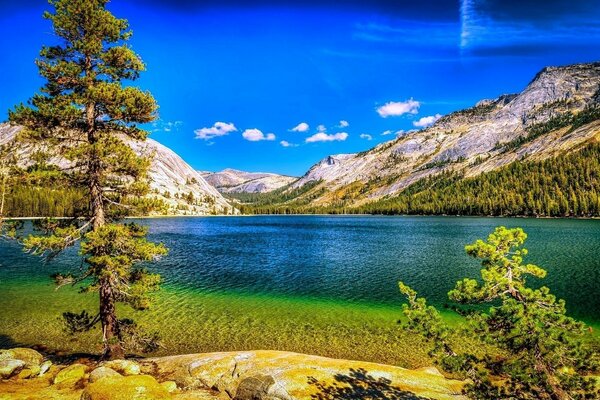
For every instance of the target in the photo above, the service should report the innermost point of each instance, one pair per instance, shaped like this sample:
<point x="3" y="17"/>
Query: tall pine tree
<point x="87" y="115"/>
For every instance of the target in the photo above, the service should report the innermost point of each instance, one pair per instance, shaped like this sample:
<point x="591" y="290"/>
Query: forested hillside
<point x="566" y="185"/>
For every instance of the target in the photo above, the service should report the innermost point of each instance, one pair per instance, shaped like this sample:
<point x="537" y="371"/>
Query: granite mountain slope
<point x="172" y="180"/>
<point x="558" y="112"/>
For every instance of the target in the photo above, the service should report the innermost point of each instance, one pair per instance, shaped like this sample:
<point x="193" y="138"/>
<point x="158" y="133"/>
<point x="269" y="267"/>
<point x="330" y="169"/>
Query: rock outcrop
<point x="172" y="179"/>
<point x="234" y="181"/>
<point x="124" y="367"/>
<point x="249" y="375"/>
<point x="278" y="375"/>
<point x="70" y="376"/>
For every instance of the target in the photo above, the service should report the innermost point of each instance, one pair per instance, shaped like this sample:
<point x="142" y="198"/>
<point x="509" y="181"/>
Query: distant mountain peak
<point x="231" y="180"/>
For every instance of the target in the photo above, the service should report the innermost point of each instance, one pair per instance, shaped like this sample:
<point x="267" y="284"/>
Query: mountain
<point x="557" y="113"/>
<point x="234" y="181"/>
<point x="172" y="180"/>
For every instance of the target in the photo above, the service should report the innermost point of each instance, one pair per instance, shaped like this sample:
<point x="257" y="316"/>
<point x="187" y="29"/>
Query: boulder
<point x="45" y="367"/>
<point x="254" y="388"/>
<point x="170" y="386"/>
<point x="70" y="376"/>
<point x="9" y="367"/>
<point x="102" y="372"/>
<point x="29" y="356"/>
<point x="138" y="387"/>
<point x="25" y="373"/>
<point x="29" y="372"/>
<point x="124" y="367"/>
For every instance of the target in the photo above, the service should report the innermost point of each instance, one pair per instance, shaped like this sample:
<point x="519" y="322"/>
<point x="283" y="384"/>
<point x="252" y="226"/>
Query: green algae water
<point x="323" y="285"/>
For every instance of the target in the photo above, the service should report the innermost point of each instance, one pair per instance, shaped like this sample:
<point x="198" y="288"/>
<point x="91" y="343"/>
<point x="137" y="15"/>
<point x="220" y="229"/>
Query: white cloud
<point x="321" y="128"/>
<point x="285" y="143"/>
<point x="396" y="108"/>
<point x="343" y="124"/>
<point x="427" y="121"/>
<point x="218" y="129"/>
<point x="256" y="135"/>
<point x="301" y="127"/>
<point x="323" y="137"/>
<point x="388" y="132"/>
<point x="366" y="136"/>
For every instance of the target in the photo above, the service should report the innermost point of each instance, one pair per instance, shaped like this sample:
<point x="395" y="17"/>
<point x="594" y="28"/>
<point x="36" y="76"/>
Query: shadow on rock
<point x="358" y="384"/>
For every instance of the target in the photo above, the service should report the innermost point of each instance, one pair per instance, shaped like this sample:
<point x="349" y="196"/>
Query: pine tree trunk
<point x="110" y="326"/>
<point x="94" y="171"/>
<point x="96" y="203"/>
<point x="4" y="179"/>
<point x="108" y="317"/>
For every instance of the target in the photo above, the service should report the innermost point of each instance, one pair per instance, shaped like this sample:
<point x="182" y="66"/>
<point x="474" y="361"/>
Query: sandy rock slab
<point x="251" y="375"/>
<point x="275" y="375"/>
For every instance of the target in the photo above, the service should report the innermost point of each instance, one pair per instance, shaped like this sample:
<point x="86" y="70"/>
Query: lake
<point x="316" y="284"/>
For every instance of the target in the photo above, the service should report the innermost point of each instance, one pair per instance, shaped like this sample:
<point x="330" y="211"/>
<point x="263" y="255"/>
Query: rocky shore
<point x="249" y="375"/>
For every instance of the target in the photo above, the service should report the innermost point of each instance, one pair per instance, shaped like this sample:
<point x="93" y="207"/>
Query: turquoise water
<point x="303" y="282"/>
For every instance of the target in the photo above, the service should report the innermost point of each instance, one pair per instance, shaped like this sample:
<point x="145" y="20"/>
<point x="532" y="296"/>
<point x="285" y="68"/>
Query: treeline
<point x="273" y="202"/>
<point x="567" y="185"/>
<point x="40" y="201"/>
<point x="64" y="201"/>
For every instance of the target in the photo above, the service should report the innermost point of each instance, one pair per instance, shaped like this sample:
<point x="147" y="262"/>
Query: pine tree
<point x="541" y="354"/>
<point x="86" y="114"/>
<point x="9" y="172"/>
<point x="5" y="164"/>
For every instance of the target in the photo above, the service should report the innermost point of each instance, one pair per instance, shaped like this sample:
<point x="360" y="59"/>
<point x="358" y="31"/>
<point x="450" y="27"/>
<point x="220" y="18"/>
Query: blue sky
<point x="234" y="78"/>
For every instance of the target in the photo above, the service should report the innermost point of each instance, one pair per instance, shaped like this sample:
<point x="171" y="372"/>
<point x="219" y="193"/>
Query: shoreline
<point x="323" y="215"/>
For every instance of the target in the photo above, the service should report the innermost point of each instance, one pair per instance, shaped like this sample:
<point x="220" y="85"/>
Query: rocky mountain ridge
<point x="557" y="112"/>
<point x="172" y="180"/>
<point x="234" y="181"/>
